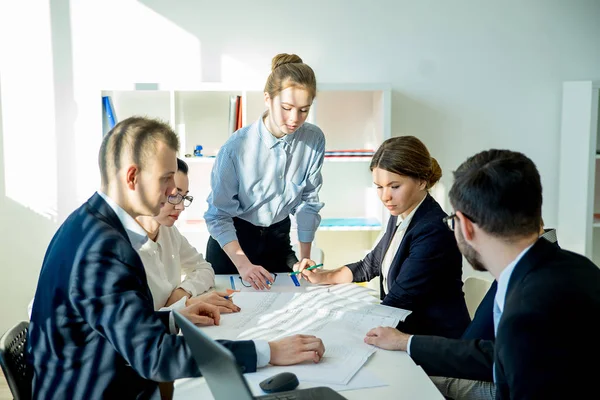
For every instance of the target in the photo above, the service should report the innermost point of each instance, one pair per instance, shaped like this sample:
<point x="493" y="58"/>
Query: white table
<point x="404" y="379"/>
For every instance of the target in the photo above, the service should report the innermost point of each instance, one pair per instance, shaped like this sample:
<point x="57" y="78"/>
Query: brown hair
<point x="288" y="70"/>
<point x="136" y="138"/>
<point x="408" y="156"/>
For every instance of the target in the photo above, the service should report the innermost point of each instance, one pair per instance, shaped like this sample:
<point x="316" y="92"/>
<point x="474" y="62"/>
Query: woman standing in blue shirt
<point x="263" y="173"/>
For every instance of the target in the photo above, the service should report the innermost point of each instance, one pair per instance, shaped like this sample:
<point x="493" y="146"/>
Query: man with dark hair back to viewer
<point x="461" y="369"/>
<point x="547" y="298"/>
<point x="94" y="332"/>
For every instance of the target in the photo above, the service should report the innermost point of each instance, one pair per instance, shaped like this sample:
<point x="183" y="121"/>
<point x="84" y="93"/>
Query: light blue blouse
<point x="262" y="179"/>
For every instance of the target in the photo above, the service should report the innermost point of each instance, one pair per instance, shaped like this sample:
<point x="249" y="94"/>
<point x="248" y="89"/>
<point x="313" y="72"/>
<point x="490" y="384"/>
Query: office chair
<point x="17" y="371"/>
<point x="475" y="289"/>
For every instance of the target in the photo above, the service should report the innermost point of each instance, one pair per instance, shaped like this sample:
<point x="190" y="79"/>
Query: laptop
<point x="223" y="375"/>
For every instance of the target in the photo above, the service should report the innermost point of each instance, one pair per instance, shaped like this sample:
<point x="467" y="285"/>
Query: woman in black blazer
<point x="417" y="259"/>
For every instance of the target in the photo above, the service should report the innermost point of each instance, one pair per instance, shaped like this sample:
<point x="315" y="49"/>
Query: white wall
<point x="467" y="75"/>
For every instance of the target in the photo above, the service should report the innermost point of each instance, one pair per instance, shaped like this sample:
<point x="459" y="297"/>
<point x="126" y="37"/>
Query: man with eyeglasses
<point x="461" y="369"/>
<point x="546" y="301"/>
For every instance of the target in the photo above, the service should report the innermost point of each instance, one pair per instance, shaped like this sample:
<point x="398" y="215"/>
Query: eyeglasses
<point x="246" y="284"/>
<point x="449" y="220"/>
<point x="178" y="198"/>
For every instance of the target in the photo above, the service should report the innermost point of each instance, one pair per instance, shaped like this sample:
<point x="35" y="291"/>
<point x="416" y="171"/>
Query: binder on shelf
<point x="235" y="113"/>
<point x="238" y="104"/>
<point x="109" y="118"/>
<point x="232" y="114"/>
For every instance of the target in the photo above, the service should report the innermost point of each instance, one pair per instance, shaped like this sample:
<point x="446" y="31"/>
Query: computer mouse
<point x="280" y="383"/>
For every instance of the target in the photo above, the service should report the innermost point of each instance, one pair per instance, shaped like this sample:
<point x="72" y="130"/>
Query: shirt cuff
<point x="306" y="236"/>
<point x="225" y="237"/>
<point x="263" y="353"/>
<point x="188" y="287"/>
<point x="178" y="305"/>
<point x="408" y="344"/>
<point x="172" y="326"/>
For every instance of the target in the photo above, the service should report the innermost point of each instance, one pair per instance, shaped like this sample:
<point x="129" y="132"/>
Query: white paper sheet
<point x="340" y="315"/>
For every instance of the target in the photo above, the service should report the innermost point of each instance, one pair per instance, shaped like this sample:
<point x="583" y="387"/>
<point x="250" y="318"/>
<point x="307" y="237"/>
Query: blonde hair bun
<point x="284" y="58"/>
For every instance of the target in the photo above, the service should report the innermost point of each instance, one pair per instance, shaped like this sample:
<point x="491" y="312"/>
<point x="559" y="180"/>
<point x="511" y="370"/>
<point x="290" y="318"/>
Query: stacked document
<point x="340" y="315"/>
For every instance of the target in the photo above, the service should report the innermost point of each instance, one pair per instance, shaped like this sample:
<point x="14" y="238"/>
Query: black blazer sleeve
<point x="432" y="249"/>
<point x="368" y="268"/>
<point x="454" y="358"/>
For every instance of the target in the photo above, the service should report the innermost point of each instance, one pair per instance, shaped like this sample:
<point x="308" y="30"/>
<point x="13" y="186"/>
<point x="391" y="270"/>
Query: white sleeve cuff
<point x="172" y="326"/>
<point x="408" y="344"/>
<point x="263" y="353"/>
<point x="178" y="305"/>
<point x="189" y="287"/>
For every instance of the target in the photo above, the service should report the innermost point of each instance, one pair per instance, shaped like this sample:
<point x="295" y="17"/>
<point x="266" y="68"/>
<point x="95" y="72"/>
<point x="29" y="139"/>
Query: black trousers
<point x="269" y="247"/>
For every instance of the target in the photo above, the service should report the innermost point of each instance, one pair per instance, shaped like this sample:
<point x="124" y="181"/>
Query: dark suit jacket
<point x="425" y="274"/>
<point x="472" y="357"/>
<point x="547" y="340"/>
<point x="94" y="332"/>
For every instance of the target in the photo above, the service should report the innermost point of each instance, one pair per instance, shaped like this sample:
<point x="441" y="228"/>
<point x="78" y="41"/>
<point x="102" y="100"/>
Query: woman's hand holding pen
<point x="219" y="299"/>
<point x="256" y="275"/>
<point x="311" y="275"/>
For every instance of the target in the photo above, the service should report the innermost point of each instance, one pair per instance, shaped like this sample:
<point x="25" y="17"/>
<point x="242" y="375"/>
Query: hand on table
<point x="218" y="299"/>
<point x="201" y="313"/>
<point x="387" y="338"/>
<point x="256" y="275"/>
<point x="296" y="349"/>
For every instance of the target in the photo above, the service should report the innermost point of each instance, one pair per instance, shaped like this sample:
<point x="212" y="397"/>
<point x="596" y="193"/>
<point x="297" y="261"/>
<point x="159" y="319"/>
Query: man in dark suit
<point x="94" y="332"/>
<point x="460" y="368"/>
<point x="547" y="298"/>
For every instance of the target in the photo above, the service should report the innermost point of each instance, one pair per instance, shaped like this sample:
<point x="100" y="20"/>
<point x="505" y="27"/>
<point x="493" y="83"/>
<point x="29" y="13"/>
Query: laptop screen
<point x="217" y="364"/>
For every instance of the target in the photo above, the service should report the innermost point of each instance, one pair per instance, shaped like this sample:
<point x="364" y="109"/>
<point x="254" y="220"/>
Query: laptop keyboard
<point x="284" y="396"/>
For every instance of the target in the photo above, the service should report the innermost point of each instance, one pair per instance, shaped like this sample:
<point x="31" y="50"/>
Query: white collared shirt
<point x="138" y="237"/>
<point x="166" y="259"/>
<point x="401" y="224"/>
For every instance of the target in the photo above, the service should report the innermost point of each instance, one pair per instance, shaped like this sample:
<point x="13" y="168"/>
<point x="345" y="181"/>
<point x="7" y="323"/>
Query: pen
<point x="232" y="282"/>
<point x="308" y="269"/>
<point x="229" y="296"/>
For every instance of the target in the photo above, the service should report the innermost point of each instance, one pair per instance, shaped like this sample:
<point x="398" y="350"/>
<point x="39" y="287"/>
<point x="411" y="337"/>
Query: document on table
<point x="340" y="315"/>
<point x="284" y="283"/>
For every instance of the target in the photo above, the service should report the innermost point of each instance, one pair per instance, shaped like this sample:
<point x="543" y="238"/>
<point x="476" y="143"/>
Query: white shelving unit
<point x="579" y="190"/>
<point x="352" y="116"/>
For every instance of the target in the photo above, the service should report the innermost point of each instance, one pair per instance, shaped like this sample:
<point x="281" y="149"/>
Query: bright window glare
<point x="27" y="90"/>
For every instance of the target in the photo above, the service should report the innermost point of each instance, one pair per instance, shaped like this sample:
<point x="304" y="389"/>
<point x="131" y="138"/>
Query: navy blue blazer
<point x="547" y="339"/>
<point x="472" y="356"/>
<point x="425" y="275"/>
<point x="94" y="332"/>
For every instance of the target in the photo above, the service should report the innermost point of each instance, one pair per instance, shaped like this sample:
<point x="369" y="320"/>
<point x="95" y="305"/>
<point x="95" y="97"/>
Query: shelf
<point x="208" y="160"/>
<point x="350" y="224"/>
<point x="348" y="159"/>
<point x="327" y="224"/>
<point x="211" y="160"/>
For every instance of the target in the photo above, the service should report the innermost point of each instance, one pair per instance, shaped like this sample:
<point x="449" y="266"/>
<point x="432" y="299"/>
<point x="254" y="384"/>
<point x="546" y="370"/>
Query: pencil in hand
<point x="307" y="269"/>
